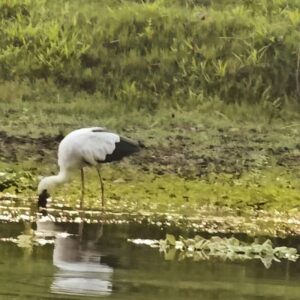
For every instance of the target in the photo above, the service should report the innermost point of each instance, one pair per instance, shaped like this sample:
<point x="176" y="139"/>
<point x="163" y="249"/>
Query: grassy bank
<point x="144" y="53"/>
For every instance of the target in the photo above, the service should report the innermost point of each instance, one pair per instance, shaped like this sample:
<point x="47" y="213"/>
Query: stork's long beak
<point x="42" y="202"/>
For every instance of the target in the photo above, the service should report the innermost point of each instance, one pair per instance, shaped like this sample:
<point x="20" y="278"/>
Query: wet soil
<point x="14" y="149"/>
<point x="228" y="150"/>
<point x="231" y="151"/>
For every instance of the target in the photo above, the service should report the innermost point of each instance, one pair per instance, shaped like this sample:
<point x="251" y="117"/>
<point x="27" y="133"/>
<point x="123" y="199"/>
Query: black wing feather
<point x="124" y="148"/>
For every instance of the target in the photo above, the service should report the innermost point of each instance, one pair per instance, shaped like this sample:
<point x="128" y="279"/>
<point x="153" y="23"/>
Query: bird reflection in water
<point x="79" y="267"/>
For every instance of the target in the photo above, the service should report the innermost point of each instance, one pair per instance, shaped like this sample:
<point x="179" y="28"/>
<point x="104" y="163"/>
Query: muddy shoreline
<point x="194" y="155"/>
<point x="231" y="151"/>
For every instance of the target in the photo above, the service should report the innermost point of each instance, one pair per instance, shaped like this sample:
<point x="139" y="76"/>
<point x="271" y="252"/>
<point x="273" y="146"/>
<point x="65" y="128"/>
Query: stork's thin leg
<point x="82" y="189"/>
<point x="81" y="213"/>
<point x="102" y="187"/>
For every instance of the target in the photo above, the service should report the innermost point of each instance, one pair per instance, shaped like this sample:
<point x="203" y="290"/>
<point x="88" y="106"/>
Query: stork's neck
<point x="49" y="183"/>
<point x="61" y="177"/>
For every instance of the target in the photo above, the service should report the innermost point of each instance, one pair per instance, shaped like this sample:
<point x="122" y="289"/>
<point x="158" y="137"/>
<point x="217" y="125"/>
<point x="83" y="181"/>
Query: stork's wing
<point x="86" y="146"/>
<point x="95" y="145"/>
<point x="124" y="147"/>
<point x="90" y="146"/>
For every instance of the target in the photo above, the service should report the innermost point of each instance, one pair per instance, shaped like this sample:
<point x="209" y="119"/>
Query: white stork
<point x="81" y="148"/>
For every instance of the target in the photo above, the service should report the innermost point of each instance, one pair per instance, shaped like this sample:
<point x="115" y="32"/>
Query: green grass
<point x="142" y="53"/>
<point x="52" y="110"/>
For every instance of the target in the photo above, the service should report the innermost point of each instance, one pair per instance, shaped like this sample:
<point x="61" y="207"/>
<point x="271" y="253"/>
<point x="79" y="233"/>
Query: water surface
<point x="103" y="264"/>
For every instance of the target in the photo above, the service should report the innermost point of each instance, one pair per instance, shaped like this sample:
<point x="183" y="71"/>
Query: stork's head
<point x="44" y="188"/>
<point x="42" y="202"/>
<point x="47" y="185"/>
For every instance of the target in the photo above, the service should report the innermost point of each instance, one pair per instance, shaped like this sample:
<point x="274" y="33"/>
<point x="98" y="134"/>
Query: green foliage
<point x="16" y="181"/>
<point x="144" y="52"/>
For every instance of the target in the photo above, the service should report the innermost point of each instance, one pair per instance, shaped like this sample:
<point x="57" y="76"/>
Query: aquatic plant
<point x="200" y="248"/>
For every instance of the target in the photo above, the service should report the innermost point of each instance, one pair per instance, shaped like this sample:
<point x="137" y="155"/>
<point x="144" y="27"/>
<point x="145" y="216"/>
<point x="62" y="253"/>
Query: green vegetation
<point x="143" y="53"/>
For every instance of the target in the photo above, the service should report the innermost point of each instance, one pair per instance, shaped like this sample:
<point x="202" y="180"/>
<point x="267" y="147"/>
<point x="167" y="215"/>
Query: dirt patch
<point x="16" y="149"/>
<point x="231" y="151"/>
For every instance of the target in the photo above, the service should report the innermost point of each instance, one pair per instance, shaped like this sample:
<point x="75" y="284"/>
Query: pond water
<point x="103" y="264"/>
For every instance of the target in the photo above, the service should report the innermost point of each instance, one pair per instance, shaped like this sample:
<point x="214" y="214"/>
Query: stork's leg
<point x="81" y="213"/>
<point x="102" y="187"/>
<point x="82" y="189"/>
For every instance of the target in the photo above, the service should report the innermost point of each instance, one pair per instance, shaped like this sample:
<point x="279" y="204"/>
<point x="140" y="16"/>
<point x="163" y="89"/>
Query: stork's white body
<point x="86" y="147"/>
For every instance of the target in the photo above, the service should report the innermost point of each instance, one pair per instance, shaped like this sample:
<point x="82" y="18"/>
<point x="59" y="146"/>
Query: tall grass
<point x="144" y="52"/>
